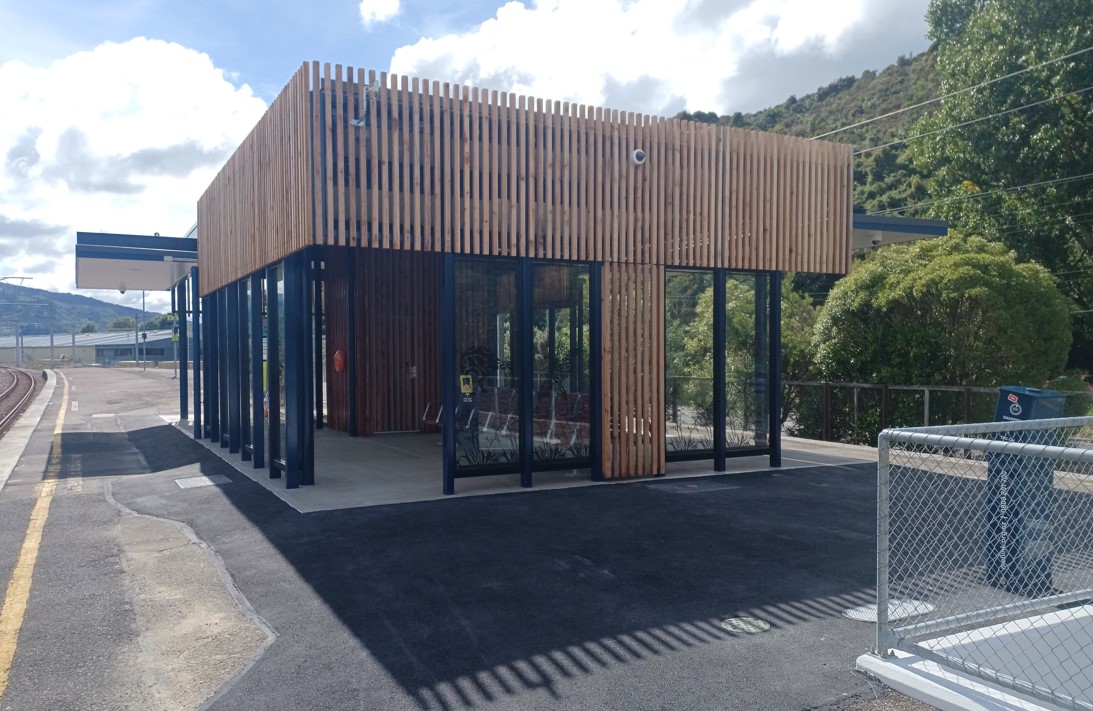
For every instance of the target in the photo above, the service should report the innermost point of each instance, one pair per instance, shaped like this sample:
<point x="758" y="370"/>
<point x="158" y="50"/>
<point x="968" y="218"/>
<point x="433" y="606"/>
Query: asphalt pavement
<point x="607" y="597"/>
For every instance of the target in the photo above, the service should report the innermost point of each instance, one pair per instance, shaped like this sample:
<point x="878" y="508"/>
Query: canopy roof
<point x="137" y="262"/>
<point x="879" y="230"/>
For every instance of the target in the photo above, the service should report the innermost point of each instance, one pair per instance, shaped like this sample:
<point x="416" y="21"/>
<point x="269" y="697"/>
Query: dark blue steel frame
<point x="771" y="286"/>
<point x="242" y="335"/>
<point x="523" y="347"/>
<point x="183" y="352"/>
<point x="273" y="375"/>
<point x="318" y="332"/>
<point x="223" y="357"/>
<point x="448" y="371"/>
<point x="351" y="340"/>
<point x="230" y="331"/>
<point x="197" y="354"/>
<point x="258" y="429"/>
<point x="212" y="370"/>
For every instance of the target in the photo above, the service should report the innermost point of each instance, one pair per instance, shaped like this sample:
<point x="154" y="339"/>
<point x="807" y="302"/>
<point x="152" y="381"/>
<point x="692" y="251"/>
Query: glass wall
<point x="688" y="362"/>
<point x="563" y="399"/>
<point x="747" y="360"/>
<point x="487" y="413"/>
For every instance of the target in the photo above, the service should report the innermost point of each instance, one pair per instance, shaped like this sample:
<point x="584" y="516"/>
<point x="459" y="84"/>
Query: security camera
<point x="875" y="241"/>
<point x="637" y="157"/>
<point x="121" y="289"/>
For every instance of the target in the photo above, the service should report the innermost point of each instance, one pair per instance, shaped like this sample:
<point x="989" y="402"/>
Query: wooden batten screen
<point x="418" y="165"/>
<point x="348" y="157"/>
<point x="397" y="338"/>
<point x="633" y="370"/>
<point x="257" y="210"/>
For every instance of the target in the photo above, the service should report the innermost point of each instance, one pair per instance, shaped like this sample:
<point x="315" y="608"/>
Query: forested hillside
<point x="883" y="178"/>
<point x="1003" y="149"/>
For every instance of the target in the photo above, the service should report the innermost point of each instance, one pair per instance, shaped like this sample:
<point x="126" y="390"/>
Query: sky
<point x="115" y="115"/>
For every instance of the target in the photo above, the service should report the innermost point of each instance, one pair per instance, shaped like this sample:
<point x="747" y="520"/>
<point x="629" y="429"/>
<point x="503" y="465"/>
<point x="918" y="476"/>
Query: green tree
<point x="89" y="328"/>
<point x="951" y="311"/>
<point x="1027" y="130"/>
<point x="126" y="323"/>
<point x="160" y="321"/>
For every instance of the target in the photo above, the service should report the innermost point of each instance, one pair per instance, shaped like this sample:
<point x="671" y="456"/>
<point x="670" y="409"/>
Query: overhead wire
<point x="983" y="193"/>
<point x="975" y="120"/>
<point x="952" y="94"/>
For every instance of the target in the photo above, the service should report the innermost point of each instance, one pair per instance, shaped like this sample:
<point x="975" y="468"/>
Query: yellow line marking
<point x="15" y="599"/>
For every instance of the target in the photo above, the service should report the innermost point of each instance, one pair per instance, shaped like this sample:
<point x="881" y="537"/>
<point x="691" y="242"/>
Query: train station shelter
<point x="538" y="285"/>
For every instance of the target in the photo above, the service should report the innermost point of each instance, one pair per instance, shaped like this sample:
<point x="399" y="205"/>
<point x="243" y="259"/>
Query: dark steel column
<point x="273" y="372"/>
<point x="183" y="354"/>
<point x="318" y="362"/>
<point x="595" y="363"/>
<point x="309" y="393"/>
<point x="242" y="337"/>
<point x="222" y="358"/>
<point x="295" y="375"/>
<point x="524" y="288"/>
<point x="448" y="379"/>
<point x="196" y="315"/>
<point x="720" y="395"/>
<point x="775" y="369"/>
<point x="230" y="330"/>
<point x="212" y="365"/>
<point x="258" y="423"/>
<point x="351" y="339"/>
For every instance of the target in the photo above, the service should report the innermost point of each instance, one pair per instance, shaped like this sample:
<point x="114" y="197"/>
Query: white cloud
<point x="122" y="138"/>
<point x="656" y="56"/>
<point x="373" y="11"/>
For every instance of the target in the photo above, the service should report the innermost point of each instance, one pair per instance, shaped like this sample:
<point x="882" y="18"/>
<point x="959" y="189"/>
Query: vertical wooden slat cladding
<point x="335" y="310"/>
<point x="401" y="164"/>
<point x="398" y="328"/>
<point x="633" y="373"/>
<point x="257" y="210"/>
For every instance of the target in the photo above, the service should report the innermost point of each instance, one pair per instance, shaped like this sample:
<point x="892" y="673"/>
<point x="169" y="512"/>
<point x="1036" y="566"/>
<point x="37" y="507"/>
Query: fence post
<point x="926" y="407"/>
<point x="885" y="407"/>
<point x="883" y="647"/>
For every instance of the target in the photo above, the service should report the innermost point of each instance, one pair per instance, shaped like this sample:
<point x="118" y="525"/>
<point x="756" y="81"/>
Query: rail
<point x="13" y="400"/>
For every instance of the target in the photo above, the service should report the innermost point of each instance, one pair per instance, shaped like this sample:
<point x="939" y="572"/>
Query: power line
<point x="975" y="120"/>
<point x="983" y="193"/>
<point x="955" y="93"/>
<point x="1069" y="219"/>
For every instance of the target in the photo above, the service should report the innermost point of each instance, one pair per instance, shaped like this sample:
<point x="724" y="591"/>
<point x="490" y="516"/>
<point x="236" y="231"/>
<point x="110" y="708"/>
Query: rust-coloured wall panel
<point x="398" y="326"/>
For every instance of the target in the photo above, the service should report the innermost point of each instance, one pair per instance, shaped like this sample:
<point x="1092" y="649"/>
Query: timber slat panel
<point x="398" y="300"/>
<point x="401" y="164"/>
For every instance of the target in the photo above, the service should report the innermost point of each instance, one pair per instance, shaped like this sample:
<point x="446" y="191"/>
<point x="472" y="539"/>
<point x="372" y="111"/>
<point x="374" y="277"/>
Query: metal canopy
<point x="878" y="230"/>
<point x="132" y="262"/>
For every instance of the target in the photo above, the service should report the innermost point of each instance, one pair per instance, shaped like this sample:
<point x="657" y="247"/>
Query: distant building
<point x="83" y="349"/>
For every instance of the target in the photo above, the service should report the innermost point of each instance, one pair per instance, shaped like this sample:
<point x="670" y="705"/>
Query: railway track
<point x="17" y="387"/>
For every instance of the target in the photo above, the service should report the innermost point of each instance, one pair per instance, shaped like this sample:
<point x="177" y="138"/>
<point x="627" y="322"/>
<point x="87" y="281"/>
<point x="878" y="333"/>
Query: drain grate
<point x="692" y="487"/>
<point x="744" y="625"/>
<point x="195" y="481"/>
<point x="898" y="609"/>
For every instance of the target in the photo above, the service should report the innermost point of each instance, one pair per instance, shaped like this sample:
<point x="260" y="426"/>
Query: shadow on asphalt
<point x="484" y="598"/>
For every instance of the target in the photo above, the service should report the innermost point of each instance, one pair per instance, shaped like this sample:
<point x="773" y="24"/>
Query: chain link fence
<point x="985" y="552"/>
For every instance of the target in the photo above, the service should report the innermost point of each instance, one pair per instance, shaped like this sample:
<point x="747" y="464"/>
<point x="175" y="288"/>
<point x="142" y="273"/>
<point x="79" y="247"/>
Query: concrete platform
<point x="1046" y="645"/>
<point x="404" y="468"/>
